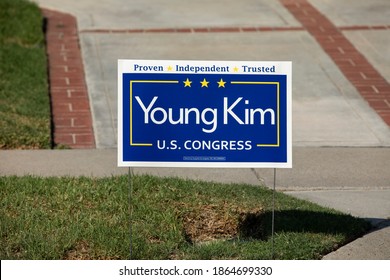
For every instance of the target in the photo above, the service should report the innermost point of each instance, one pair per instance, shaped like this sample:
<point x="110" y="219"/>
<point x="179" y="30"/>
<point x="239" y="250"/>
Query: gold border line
<point x="131" y="107"/>
<point x="278" y="109"/>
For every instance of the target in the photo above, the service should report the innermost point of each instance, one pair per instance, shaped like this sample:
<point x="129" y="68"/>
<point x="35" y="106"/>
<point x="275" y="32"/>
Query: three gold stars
<point x="204" y="83"/>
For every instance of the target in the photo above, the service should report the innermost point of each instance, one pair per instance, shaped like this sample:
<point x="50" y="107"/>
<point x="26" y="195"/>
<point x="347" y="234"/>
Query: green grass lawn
<point x="85" y="218"/>
<point x="24" y="97"/>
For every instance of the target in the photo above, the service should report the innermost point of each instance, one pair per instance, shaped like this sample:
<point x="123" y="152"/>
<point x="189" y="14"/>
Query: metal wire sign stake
<point x="131" y="209"/>
<point x="273" y="216"/>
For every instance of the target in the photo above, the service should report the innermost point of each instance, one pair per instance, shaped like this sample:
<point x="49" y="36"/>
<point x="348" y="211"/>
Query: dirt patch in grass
<point x="83" y="251"/>
<point x="208" y="222"/>
<point x="80" y="251"/>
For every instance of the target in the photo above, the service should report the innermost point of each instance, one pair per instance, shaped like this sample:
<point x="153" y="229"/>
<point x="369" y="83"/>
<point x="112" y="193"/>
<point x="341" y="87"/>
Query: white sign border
<point x="283" y="68"/>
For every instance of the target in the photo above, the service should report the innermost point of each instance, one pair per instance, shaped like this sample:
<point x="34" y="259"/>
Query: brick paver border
<point x="194" y="30"/>
<point x="225" y="29"/>
<point x="71" y="114"/>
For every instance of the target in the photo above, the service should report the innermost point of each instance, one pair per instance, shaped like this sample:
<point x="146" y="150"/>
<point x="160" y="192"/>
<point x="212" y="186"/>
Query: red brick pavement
<point x="225" y="29"/>
<point x="193" y="30"/>
<point x="72" y="119"/>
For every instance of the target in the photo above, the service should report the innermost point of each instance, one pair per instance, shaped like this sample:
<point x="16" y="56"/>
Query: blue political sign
<point x="204" y="114"/>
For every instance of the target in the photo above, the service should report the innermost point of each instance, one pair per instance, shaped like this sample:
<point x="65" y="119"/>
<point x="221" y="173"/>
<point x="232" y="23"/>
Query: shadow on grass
<point x="259" y="226"/>
<point x="378" y="223"/>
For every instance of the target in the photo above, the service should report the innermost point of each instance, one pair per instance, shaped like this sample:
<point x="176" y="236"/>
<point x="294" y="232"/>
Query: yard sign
<point x="204" y="113"/>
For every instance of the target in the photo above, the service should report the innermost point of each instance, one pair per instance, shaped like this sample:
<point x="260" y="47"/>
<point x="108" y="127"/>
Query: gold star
<point x="235" y="69"/>
<point x="204" y="83"/>
<point x="221" y="83"/>
<point x="187" y="83"/>
<point x="170" y="68"/>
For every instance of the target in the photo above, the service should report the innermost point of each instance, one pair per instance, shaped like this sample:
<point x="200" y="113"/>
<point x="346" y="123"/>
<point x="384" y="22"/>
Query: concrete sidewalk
<point x="341" y="97"/>
<point x="327" y="108"/>
<point x="314" y="168"/>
